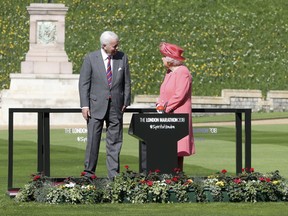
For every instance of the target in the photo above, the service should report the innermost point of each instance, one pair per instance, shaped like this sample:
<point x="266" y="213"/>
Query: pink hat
<point x="172" y="51"/>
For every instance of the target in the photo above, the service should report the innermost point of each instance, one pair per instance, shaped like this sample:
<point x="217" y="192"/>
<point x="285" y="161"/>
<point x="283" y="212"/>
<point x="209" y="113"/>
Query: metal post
<point x="238" y="116"/>
<point x="40" y="142"/>
<point x="46" y="144"/>
<point x="10" y="150"/>
<point x="248" y="139"/>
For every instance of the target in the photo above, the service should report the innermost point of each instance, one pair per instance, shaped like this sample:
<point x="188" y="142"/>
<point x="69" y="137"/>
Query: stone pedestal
<point x="46" y="53"/>
<point x="46" y="79"/>
<point x="41" y="91"/>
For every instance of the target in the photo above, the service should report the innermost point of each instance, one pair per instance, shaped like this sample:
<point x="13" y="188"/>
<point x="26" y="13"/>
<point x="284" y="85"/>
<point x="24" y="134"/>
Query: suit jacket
<point x="93" y="85"/>
<point x="175" y="94"/>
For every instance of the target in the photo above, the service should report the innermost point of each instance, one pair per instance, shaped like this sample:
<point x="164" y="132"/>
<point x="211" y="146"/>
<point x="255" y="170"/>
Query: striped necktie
<point x="109" y="72"/>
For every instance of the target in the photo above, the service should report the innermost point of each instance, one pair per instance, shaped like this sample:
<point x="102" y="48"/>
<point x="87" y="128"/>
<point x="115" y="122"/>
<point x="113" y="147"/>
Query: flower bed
<point x="132" y="187"/>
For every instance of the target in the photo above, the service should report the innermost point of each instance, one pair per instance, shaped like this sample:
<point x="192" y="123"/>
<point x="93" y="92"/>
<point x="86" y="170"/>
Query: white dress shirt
<point x="105" y="58"/>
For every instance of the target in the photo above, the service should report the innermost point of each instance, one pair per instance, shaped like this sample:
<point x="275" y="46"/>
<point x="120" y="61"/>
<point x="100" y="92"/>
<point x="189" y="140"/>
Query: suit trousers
<point x="114" y="137"/>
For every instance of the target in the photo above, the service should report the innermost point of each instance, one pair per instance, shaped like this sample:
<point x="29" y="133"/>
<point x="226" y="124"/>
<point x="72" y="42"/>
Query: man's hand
<point x="123" y="108"/>
<point x="86" y="113"/>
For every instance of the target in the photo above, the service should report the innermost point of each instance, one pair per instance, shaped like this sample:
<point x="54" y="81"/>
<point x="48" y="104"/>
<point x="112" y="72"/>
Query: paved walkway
<point x="254" y="122"/>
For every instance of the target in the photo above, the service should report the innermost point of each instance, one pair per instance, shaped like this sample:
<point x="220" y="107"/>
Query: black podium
<point x="158" y="135"/>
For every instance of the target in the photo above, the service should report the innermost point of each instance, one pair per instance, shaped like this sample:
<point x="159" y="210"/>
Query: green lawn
<point x="213" y="152"/>
<point x="269" y="149"/>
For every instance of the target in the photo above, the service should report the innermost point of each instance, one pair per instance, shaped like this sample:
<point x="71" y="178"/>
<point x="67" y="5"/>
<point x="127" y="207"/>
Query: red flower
<point x="157" y="171"/>
<point x="83" y="173"/>
<point x="248" y="169"/>
<point x="36" y="177"/>
<point x="224" y="171"/>
<point x="177" y="170"/>
<point x="237" y="180"/>
<point x="149" y="183"/>
<point x="175" y="179"/>
<point x="168" y="181"/>
<point x="262" y="179"/>
<point x="93" y="177"/>
<point x="126" y="167"/>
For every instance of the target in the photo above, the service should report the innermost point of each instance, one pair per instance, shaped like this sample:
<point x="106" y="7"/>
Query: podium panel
<point x="159" y="133"/>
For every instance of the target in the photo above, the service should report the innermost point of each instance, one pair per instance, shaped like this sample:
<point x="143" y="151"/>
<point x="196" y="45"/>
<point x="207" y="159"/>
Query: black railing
<point x="43" y="140"/>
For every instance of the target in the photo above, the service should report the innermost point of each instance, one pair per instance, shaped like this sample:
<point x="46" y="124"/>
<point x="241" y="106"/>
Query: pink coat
<point x="175" y="92"/>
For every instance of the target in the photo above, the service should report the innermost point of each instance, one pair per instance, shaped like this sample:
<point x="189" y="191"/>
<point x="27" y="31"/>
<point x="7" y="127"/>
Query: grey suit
<point x="105" y="104"/>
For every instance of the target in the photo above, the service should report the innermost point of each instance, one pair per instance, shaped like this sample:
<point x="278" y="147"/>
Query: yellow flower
<point x="220" y="183"/>
<point x="275" y="182"/>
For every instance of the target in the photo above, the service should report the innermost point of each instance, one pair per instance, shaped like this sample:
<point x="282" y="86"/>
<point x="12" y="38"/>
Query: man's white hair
<point x="107" y="36"/>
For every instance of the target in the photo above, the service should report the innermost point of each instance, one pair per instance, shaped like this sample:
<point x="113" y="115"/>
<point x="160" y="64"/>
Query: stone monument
<point x="46" y="53"/>
<point x="46" y="79"/>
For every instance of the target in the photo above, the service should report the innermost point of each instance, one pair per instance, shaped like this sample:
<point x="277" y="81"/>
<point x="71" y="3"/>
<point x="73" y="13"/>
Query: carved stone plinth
<point x="46" y="53"/>
<point x="46" y="79"/>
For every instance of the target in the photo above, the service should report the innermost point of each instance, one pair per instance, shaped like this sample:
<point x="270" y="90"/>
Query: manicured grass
<point x="197" y="209"/>
<point x="269" y="149"/>
<point x="213" y="152"/>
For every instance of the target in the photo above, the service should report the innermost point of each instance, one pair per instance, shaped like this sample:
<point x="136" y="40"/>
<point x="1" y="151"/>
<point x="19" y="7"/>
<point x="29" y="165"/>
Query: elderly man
<point x="105" y="91"/>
